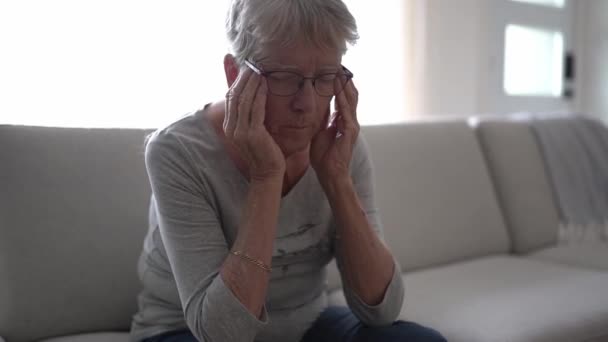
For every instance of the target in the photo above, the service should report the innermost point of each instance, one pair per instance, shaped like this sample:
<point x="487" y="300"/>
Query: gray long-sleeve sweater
<point x="195" y="211"/>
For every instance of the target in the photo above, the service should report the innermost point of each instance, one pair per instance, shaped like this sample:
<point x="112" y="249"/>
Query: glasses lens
<point x="284" y="83"/>
<point x="326" y="85"/>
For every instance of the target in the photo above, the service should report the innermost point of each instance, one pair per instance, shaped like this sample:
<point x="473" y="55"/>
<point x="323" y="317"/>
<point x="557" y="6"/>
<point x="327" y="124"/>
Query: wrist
<point x="337" y="185"/>
<point x="265" y="192"/>
<point x="267" y="177"/>
<point x="269" y="183"/>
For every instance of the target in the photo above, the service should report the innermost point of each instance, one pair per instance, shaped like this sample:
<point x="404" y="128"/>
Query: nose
<point x="305" y="99"/>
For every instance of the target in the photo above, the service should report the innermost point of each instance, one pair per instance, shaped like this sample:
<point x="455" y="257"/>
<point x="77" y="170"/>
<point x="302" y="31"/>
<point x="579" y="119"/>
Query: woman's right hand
<point x="245" y="111"/>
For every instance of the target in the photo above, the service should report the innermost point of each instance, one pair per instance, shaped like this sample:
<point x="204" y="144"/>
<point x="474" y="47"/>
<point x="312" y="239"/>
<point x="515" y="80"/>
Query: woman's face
<point x="294" y="120"/>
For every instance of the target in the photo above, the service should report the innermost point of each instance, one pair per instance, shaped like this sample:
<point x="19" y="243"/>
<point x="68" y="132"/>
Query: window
<point x="112" y="63"/>
<point x="378" y="60"/>
<point x="138" y="63"/>
<point x="552" y="3"/>
<point x="533" y="61"/>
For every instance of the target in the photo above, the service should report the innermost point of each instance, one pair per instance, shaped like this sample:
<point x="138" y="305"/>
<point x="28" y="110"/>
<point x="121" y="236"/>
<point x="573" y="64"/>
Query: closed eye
<point x="327" y="77"/>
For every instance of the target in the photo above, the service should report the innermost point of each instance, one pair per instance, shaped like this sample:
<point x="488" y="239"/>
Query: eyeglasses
<point x="287" y="83"/>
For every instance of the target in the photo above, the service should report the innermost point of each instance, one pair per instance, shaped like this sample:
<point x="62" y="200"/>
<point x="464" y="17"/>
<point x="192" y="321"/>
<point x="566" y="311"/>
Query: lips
<point x="290" y="129"/>
<point x="295" y="127"/>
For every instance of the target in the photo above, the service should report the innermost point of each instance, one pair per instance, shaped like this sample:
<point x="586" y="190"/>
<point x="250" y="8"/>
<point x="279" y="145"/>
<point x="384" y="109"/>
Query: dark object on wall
<point x="569" y="71"/>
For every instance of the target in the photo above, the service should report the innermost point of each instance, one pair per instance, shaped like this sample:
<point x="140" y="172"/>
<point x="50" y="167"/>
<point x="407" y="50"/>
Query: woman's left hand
<point x="332" y="148"/>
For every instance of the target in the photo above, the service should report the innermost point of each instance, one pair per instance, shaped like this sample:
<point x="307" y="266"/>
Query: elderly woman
<point x="254" y="195"/>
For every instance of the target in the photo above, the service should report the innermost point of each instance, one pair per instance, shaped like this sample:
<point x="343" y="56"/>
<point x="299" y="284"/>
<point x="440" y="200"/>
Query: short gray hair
<point x="251" y="24"/>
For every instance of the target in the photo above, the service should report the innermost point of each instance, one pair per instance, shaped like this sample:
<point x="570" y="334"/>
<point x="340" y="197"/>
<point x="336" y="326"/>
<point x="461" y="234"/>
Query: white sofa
<point x="467" y="210"/>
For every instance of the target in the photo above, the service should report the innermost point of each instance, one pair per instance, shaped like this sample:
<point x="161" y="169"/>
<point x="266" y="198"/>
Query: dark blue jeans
<point x="338" y="324"/>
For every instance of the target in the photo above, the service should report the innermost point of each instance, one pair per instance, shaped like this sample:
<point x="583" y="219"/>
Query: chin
<point x="292" y="147"/>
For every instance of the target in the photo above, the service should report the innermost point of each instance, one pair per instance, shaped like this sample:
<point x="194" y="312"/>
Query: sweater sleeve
<point x="387" y="311"/>
<point x="195" y="245"/>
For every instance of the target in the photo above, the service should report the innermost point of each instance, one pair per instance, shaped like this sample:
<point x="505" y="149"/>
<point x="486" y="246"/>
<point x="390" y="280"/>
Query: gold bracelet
<point x="256" y="262"/>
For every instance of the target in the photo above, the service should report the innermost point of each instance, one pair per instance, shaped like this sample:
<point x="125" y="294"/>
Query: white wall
<point x="592" y="24"/>
<point x="454" y="39"/>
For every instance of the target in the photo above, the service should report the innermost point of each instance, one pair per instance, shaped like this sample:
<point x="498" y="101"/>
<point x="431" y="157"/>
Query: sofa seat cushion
<point x="95" y="337"/>
<point x="590" y="255"/>
<point x="505" y="298"/>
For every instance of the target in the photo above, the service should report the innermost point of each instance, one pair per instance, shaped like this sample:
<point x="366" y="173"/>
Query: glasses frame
<point x="348" y="73"/>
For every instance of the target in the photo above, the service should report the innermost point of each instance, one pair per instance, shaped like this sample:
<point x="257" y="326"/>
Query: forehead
<point x="301" y="56"/>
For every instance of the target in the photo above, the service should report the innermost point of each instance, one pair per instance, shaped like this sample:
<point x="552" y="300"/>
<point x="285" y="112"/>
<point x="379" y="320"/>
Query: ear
<point x="231" y="69"/>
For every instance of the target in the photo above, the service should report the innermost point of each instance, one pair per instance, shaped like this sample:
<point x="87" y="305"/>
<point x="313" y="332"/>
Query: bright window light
<point x="551" y="3"/>
<point x="533" y="61"/>
<point x="143" y="63"/>
<point x="379" y="66"/>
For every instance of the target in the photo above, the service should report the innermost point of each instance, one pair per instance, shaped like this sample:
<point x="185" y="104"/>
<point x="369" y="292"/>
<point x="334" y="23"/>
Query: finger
<point x="341" y="103"/>
<point x="258" y="111"/>
<point x="232" y="100"/>
<point x="338" y="85"/>
<point x="347" y="120"/>
<point x="340" y="125"/>
<point x="323" y="139"/>
<point x="352" y="95"/>
<point x="246" y="103"/>
<point x="230" y="107"/>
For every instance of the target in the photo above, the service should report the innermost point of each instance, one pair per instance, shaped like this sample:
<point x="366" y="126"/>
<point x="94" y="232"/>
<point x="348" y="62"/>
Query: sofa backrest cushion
<point x="434" y="193"/>
<point x="73" y="211"/>
<point x="522" y="184"/>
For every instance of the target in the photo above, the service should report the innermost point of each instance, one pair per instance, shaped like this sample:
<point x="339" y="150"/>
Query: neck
<point x="296" y="166"/>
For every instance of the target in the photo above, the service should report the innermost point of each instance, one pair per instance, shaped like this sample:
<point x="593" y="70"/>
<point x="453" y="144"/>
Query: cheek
<point x="276" y="105"/>
<point x="323" y="111"/>
<point x="274" y="108"/>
